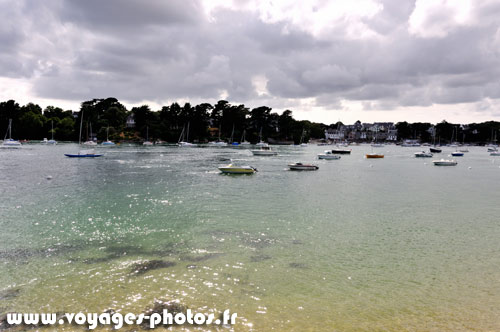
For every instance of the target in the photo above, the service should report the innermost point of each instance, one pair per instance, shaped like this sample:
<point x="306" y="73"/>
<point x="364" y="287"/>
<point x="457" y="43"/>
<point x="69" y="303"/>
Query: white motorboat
<point x="377" y="145"/>
<point x="495" y="154"/>
<point x="423" y="154"/>
<point x="328" y="155"/>
<point x="445" y="162"/>
<point x="10" y="143"/>
<point x="264" y="151"/>
<point x="303" y="167"/>
<point x="232" y="169"/>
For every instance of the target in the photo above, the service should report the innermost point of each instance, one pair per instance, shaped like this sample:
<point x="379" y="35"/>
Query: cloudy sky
<point x="387" y="60"/>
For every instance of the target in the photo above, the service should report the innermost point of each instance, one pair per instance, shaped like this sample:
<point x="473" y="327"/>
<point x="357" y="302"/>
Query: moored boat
<point x="328" y="155"/>
<point x="341" y="151"/>
<point x="10" y="143"/>
<point x="374" y="156"/>
<point x="495" y="154"/>
<point x="445" y="162"/>
<point x="423" y="154"/>
<point x="435" y="150"/>
<point x="232" y="169"/>
<point x="84" y="154"/>
<point x="457" y="154"/>
<point x="303" y="167"/>
<point x="264" y="151"/>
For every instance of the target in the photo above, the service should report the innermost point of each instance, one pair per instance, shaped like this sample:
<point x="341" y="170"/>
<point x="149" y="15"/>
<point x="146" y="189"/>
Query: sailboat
<point x="243" y="140"/>
<point x="52" y="140"/>
<point x="435" y="149"/>
<point x="108" y="142"/>
<point x="261" y="142"/>
<point x="83" y="153"/>
<point x="147" y="142"/>
<point x="375" y="144"/>
<point x="302" y="143"/>
<point x="90" y="142"/>
<point x="493" y="147"/>
<point x="10" y="143"/>
<point x="181" y="141"/>
<point x="219" y="142"/>
<point x="232" y="138"/>
<point x="374" y="155"/>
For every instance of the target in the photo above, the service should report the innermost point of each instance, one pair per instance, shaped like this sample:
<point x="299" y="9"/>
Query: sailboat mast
<point x="187" y="134"/>
<point x="10" y="128"/>
<point x="81" y="125"/>
<point x="52" y="125"/>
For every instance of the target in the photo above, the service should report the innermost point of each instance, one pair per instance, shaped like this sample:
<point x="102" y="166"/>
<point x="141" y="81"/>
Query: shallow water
<point x="393" y="244"/>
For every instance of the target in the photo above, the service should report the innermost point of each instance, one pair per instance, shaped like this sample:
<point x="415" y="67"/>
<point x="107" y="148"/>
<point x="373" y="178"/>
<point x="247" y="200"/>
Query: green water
<point x="394" y="244"/>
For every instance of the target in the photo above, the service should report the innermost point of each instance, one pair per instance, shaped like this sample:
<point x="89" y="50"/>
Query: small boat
<point x="218" y="143"/>
<point x="264" y="151"/>
<point x="328" y="155"/>
<point x="185" y="142"/>
<point x="10" y="143"/>
<point x="84" y="154"/>
<point x="90" y="142"/>
<point x="232" y="169"/>
<point x="303" y="167"/>
<point x="495" y="154"/>
<point x="243" y="140"/>
<point x="147" y="142"/>
<point x="463" y="150"/>
<point x="51" y="141"/>
<point x="444" y="162"/>
<point x="374" y="156"/>
<point x="435" y="150"/>
<point x="492" y="149"/>
<point x="107" y="142"/>
<point x="457" y="154"/>
<point x="423" y="154"/>
<point x="377" y="145"/>
<point x="341" y="151"/>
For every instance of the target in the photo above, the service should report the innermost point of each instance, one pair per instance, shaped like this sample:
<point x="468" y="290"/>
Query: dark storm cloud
<point x="166" y="50"/>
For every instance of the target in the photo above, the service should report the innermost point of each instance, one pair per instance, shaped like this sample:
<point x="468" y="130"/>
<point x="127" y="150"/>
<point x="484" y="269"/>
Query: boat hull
<point x="374" y="156"/>
<point x="83" y="155"/>
<point x="264" y="153"/>
<point x="444" y="163"/>
<point x="341" y="151"/>
<point x="303" y="167"/>
<point x="328" y="156"/>
<point x="237" y="170"/>
<point x="435" y="150"/>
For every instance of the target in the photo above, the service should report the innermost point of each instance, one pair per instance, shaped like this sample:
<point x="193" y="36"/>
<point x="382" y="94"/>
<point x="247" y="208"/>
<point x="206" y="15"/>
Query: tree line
<point x="206" y="122"/>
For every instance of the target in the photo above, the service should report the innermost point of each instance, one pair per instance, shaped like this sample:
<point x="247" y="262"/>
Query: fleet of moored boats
<point x="263" y="150"/>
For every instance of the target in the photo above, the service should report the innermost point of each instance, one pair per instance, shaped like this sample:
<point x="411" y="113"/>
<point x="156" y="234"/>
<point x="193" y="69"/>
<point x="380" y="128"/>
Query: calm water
<point x="394" y="244"/>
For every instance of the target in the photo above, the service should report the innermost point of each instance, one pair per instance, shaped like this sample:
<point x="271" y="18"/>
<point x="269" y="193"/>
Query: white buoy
<point x="470" y="167"/>
<point x="49" y="177"/>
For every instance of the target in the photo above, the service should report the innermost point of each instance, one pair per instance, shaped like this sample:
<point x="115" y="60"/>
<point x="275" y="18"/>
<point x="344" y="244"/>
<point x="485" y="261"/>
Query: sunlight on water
<point x="394" y="244"/>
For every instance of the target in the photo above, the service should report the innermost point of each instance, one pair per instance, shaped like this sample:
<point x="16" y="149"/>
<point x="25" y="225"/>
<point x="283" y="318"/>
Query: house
<point x="130" y="121"/>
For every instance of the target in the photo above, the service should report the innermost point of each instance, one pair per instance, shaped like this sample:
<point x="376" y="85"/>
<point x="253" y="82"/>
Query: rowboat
<point x="232" y="169"/>
<point x="457" y="154"/>
<point x="444" y="162"/>
<point x="303" y="167"/>
<point x="435" y="150"/>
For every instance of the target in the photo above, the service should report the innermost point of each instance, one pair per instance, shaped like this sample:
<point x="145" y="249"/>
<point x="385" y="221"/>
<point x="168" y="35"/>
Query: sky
<point x="327" y="61"/>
